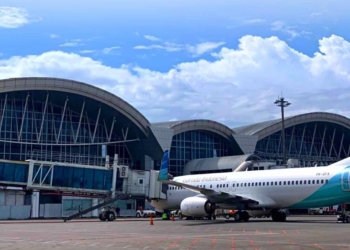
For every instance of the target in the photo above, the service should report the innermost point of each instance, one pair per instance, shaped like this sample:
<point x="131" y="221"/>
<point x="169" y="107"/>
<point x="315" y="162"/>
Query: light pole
<point x="283" y="103"/>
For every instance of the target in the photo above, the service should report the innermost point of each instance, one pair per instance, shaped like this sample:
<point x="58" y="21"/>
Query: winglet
<point x="164" y="167"/>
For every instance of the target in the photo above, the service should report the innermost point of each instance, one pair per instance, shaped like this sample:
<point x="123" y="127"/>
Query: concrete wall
<point x="14" y="212"/>
<point x="50" y="211"/>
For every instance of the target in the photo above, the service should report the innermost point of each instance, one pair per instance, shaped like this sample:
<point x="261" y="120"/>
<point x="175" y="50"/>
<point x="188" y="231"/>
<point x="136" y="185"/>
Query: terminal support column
<point x="95" y="212"/>
<point x="35" y="204"/>
<point x="115" y="170"/>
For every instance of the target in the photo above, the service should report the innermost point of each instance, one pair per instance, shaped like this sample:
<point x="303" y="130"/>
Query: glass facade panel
<point x="320" y="142"/>
<point x="197" y="144"/>
<point x="13" y="172"/>
<point x="69" y="177"/>
<point x="43" y="126"/>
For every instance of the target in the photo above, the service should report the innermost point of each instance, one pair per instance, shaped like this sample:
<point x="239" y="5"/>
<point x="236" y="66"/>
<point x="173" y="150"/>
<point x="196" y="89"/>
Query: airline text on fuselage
<point x="205" y="179"/>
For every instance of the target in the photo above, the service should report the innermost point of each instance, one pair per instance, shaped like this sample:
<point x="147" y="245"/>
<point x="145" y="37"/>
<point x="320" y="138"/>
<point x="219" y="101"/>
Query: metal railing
<point x="82" y="159"/>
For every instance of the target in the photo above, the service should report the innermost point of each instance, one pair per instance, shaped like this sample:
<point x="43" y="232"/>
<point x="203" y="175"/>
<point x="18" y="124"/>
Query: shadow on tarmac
<point x="206" y="222"/>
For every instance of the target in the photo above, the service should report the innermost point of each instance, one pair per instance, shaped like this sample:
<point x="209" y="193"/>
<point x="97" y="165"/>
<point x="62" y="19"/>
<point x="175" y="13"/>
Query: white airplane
<point x="274" y="190"/>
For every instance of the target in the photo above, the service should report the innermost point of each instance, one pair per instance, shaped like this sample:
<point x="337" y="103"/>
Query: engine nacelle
<point x="197" y="206"/>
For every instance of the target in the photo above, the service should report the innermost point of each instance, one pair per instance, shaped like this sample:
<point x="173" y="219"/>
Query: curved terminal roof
<point x="80" y="88"/>
<point x="199" y="124"/>
<point x="267" y="128"/>
<point x="218" y="163"/>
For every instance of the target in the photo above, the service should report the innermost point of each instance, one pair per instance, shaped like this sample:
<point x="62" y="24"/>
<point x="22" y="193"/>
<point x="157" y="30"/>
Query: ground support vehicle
<point x="107" y="213"/>
<point x="145" y="213"/>
<point x="343" y="218"/>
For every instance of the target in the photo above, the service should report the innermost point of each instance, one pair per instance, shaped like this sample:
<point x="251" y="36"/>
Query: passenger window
<point x="326" y="181"/>
<point x="292" y="182"/>
<point x="211" y="186"/>
<point x="233" y="185"/>
<point x="313" y="181"/>
<point x="305" y="182"/>
<point x="296" y="182"/>
<point x="321" y="181"/>
<point x="317" y="181"/>
<point x="249" y="184"/>
<point x="245" y="184"/>
<point x="259" y="183"/>
<point x="309" y="182"/>
<point x="288" y="182"/>
<point x="280" y="183"/>
<point x="267" y="183"/>
<point x="284" y="183"/>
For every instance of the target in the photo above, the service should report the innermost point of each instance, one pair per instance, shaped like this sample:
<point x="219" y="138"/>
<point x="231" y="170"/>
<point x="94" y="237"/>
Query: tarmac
<point x="299" y="232"/>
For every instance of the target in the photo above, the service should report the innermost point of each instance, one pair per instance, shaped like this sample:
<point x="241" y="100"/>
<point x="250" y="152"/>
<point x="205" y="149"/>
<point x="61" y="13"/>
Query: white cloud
<point x="196" y="50"/>
<point x="11" y="17"/>
<point x="71" y="44"/>
<point x="87" y="51"/>
<point x="205" y="47"/>
<point x="236" y="86"/>
<point x="110" y="49"/>
<point x="53" y="36"/>
<point x="254" y="21"/>
<point x="151" y="38"/>
<point x="170" y="47"/>
<point x="281" y="26"/>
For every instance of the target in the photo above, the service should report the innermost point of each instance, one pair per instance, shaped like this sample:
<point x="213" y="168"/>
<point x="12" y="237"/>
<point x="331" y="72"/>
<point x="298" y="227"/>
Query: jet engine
<point x="197" y="206"/>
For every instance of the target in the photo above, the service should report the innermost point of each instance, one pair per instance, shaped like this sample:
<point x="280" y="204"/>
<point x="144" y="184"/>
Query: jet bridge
<point x="141" y="184"/>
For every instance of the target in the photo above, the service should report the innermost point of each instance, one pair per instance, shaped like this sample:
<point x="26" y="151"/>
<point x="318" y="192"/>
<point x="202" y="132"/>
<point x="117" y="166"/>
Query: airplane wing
<point x="224" y="197"/>
<point x="204" y="191"/>
<point x="211" y="194"/>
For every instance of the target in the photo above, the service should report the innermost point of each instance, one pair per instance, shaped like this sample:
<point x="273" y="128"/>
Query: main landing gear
<point x="241" y="216"/>
<point x="278" y="215"/>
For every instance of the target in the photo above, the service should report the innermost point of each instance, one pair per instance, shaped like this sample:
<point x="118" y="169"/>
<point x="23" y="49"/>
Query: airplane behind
<point x="274" y="190"/>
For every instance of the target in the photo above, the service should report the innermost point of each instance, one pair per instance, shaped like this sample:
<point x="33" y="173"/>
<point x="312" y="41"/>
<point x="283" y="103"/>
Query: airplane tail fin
<point x="164" y="168"/>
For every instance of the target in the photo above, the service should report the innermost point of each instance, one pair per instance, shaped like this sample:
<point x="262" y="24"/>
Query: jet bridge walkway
<point x="102" y="204"/>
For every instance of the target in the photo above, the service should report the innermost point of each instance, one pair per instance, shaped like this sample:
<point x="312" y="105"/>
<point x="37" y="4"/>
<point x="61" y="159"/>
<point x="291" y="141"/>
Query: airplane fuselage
<point x="280" y="188"/>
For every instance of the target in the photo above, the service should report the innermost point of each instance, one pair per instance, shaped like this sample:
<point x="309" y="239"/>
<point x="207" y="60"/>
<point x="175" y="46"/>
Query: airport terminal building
<point x="77" y="127"/>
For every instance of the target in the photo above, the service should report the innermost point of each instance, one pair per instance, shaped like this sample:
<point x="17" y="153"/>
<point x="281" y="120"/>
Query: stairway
<point x="104" y="203"/>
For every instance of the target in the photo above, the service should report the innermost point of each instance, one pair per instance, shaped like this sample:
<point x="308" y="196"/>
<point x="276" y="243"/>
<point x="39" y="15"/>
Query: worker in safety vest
<point x="344" y="212"/>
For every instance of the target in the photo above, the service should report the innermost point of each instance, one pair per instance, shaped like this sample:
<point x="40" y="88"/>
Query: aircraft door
<point x="345" y="181"/>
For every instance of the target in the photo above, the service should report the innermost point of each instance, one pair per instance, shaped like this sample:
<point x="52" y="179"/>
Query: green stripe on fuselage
<point x="327" y="195"/>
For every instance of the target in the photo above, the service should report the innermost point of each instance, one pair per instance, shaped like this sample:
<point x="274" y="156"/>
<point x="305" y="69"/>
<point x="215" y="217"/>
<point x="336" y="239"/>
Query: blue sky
<point x="221" y="60"/>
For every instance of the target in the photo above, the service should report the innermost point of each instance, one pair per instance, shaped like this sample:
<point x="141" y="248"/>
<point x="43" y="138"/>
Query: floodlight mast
<point x="283" y="104"/>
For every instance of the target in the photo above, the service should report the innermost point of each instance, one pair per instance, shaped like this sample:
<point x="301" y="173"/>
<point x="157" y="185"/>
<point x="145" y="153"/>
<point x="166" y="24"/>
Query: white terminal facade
<point x="65" y="144"/>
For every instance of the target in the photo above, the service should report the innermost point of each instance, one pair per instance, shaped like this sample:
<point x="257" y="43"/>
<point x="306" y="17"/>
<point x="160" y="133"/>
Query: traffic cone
<point x="173" y="218"/>
<point x="151" y="221"/>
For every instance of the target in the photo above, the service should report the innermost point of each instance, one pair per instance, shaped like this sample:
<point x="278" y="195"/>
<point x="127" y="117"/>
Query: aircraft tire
<point x="237" y="216"/>
<point x="245" y="216"/>
<point x="278" y="216"/>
